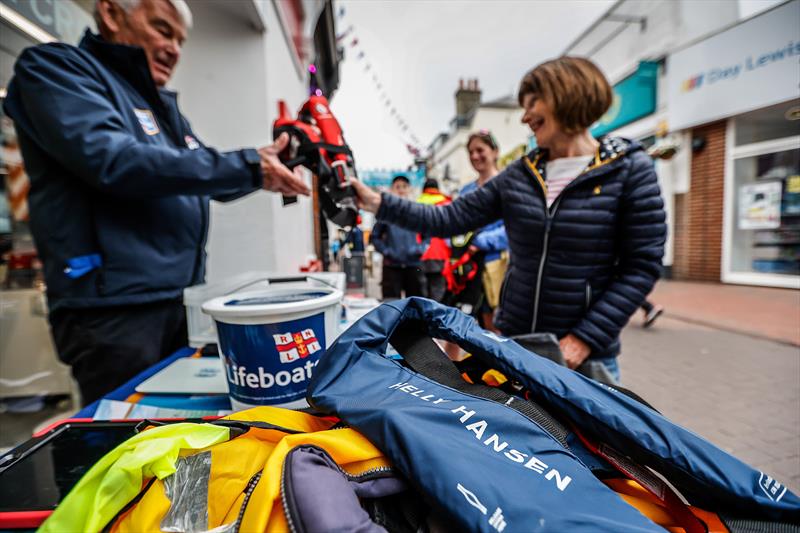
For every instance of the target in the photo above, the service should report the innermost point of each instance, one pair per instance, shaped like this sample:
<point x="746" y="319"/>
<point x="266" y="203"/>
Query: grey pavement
<point x="741" y="393"/>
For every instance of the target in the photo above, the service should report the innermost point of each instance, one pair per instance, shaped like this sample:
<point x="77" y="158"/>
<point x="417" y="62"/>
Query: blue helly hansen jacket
<point x="584" y="265"/>
<point x="496" y="463"/>
<point x="119" y="183"/>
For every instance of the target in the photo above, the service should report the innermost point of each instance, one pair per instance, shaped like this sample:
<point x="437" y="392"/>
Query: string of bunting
<point x="354" y="45"/>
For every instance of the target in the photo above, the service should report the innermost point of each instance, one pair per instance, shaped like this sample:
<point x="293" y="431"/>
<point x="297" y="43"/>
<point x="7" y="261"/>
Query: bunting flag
<point x="404" y="129"/>
<point x="344" y="34"/>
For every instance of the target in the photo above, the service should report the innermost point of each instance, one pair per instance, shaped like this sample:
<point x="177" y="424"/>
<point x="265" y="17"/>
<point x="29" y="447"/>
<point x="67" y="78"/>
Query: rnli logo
<point x="147" y="121"/>
<point x="295" y="346"/>
<point x="191" y="142"/>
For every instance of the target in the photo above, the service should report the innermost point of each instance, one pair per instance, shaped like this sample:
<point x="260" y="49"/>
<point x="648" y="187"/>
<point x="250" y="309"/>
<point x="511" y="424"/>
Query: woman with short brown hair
<point x="573" y="88"/>
<point x="584" y="218"/>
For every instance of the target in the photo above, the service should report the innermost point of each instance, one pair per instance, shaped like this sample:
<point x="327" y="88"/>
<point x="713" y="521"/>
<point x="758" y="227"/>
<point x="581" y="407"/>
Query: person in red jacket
<point x="437" y="254"/>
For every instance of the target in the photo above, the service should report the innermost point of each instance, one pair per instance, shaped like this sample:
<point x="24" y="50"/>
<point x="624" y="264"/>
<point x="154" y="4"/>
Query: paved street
<point x="756" y="311"/>
<point x="740" y="392"/>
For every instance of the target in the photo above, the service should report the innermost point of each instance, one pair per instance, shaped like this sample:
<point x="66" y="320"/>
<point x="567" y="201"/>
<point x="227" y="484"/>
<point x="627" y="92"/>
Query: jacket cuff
<point x="253" y="161"/>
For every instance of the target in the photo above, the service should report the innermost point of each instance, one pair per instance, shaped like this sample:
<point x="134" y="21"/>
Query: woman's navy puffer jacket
<point x="585" y="265"/>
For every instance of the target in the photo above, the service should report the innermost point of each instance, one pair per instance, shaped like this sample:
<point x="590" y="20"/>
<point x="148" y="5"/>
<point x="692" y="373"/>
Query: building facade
<point x="723" y="129"/>
<point x="448" y="159"/>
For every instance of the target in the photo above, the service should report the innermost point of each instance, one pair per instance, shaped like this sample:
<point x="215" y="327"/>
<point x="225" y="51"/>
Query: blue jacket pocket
<point x="81" y="265"/>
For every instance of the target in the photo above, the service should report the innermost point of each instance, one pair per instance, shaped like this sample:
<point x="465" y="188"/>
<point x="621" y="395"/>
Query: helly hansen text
<point x="419" y="393"/>
<point x="478" y="427"/>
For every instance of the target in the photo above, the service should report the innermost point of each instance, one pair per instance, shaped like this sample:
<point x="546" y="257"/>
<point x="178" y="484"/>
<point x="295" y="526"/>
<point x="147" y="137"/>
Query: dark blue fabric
<point x="604" y="248"/>
<point x="431" y="444"/>
<point x="399" y="246"/>
<point x="112" y="173"/>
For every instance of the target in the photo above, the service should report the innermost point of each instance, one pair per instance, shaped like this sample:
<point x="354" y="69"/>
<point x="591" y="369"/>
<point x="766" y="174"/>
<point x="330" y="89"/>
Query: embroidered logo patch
<point x="191" y="142"/>
<point x="148" y="121"/>
<point x="771" y="487"/>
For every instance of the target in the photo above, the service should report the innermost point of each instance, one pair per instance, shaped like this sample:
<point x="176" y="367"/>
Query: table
<point x="356" y="307"/>
<point x="127" y="392"/>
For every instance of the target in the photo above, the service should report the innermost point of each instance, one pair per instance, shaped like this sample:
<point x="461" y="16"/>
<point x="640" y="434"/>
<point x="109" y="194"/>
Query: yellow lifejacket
<point x="234" y="483"/>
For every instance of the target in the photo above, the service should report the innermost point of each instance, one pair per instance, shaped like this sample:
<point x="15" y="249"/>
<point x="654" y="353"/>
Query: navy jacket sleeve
<point x="641" y="234"/>
<point x="377" y="237"/>
<point x="470" y="211"/>
<point x="69" y="114"/>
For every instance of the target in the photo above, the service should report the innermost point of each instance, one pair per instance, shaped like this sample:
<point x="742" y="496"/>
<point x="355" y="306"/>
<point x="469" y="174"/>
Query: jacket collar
<point x="130" y="62"/>
<point x="610" y="151"/>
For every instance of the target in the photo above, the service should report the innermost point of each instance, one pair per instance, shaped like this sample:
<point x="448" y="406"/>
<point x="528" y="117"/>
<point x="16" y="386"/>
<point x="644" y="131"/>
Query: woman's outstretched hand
<point x="368" y="200"/>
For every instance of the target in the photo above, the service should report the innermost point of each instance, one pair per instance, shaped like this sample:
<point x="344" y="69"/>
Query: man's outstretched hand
<point x="277" y="177"/>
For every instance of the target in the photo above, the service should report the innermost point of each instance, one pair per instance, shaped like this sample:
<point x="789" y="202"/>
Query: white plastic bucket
<point x="271" y="340"/>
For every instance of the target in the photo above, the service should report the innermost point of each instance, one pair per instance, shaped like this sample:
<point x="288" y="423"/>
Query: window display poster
<point x="760" y="205"/>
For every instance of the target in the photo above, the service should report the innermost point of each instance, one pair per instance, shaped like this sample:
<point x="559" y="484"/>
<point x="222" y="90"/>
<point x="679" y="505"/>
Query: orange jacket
<point x="438" y="249"/>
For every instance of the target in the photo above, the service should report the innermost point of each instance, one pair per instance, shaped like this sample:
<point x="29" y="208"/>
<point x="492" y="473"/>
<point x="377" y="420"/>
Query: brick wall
<point x="680" y="257"/>
<point x="698" y="213"/>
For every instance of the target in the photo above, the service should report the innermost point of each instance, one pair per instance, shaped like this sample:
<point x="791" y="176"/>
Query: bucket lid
<point x="272" y="301"/>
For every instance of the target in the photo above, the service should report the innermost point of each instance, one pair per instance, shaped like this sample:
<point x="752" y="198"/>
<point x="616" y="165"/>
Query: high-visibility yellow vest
<point x="234" y="481"/>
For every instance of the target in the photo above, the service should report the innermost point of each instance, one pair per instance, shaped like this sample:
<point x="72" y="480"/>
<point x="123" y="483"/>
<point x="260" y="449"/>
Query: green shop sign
<point x="634" y="98"/>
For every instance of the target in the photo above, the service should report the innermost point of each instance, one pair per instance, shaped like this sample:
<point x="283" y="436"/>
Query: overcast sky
<point x="419" y="49"/>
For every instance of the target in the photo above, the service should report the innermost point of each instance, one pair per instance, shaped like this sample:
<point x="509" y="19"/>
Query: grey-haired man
<point x="120" y="187"/>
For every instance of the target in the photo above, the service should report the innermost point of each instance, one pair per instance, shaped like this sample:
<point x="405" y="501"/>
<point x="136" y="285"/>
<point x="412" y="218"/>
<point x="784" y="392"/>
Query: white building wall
<point x="504" y="124"/>
<point x="453" y="157"/>
<point x="229" y="79"/>
<point x="670" y="24"/>
<point x="292" y="226"/>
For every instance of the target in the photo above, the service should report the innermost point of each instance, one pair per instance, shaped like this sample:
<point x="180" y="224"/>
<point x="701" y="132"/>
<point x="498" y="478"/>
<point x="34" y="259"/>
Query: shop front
<point x="737" y="94"/>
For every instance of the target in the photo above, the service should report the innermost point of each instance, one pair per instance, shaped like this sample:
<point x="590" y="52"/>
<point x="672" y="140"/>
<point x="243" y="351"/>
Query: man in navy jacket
<point x="120" y="187"/>
<point x="402" y="250"/>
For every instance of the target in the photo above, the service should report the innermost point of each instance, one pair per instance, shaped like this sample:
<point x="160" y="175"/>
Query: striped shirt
<point x="561" y="172"/>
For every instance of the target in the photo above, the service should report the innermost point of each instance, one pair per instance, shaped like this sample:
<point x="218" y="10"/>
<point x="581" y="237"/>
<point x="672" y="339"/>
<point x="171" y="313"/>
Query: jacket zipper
<point x="548" y="223"/>
<point x="288" y="506"/>
<point x="505" y="282"/>
<point x="550" y="214"/>
<point x="198" y="260"/>
<point x="588" y="295"/>
<point x="248" y="491"/>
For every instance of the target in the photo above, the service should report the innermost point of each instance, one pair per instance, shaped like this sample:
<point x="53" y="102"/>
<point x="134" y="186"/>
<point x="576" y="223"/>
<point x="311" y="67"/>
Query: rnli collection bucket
<point x="271" y="340"/>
